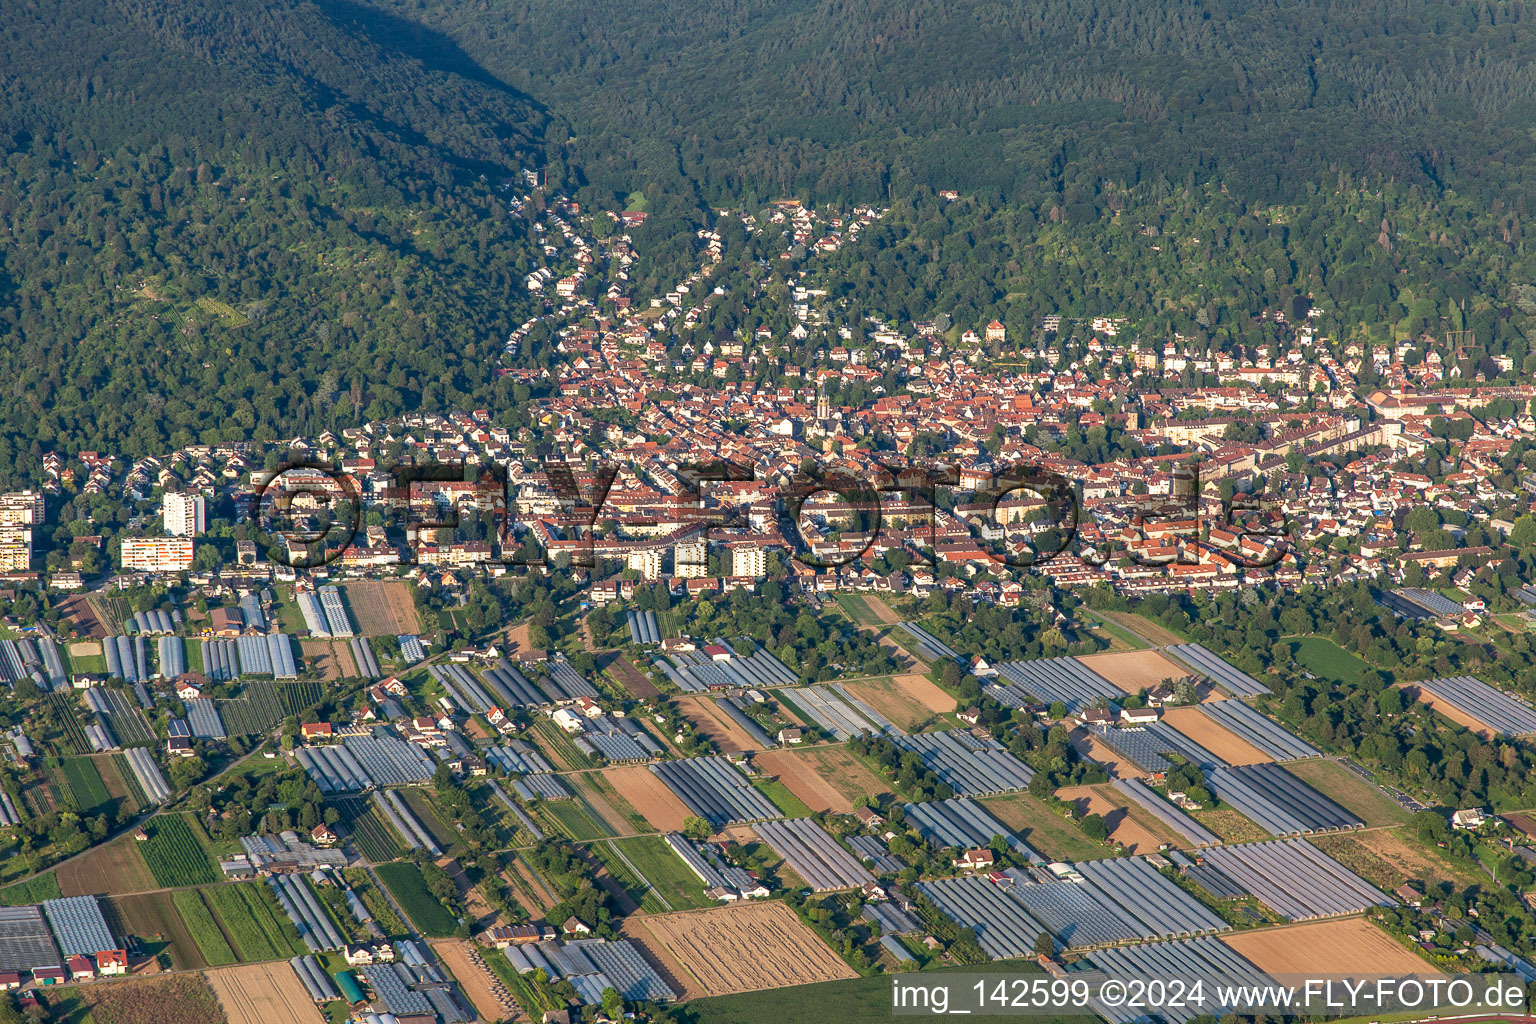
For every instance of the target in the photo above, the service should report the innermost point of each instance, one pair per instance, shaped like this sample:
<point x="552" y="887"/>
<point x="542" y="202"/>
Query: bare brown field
<point x="518" y="635"/>
<point x="896" y="697"/>
<point x="744" y="948"/>
<point x="925" y="692"/>
<point x="880" y="610"/>
<point x="152" y="916"/>
<point x="116" y="866"/>
<point x="1144" y="628"/>
<point x="81" y="616"/>
<point x="824" y="778"/>
<point x="1326" y="947"/>
<point x="382" y="607"/>
<point x="707" y="717"/>
<point x="1524" y="822"/>
<point x="485" y="991"/>
<point x="1136" y="836"/>
<point x="1133" y="670"/>
<point x="646" y="793"/>
<point x="268" y="993"/>
<point x="331" y="660"/>
<point x="1213" y="736"/>
<point x="85" y="649"/>
<point x="631" y="678"/>
<point x="1445" y="710"/>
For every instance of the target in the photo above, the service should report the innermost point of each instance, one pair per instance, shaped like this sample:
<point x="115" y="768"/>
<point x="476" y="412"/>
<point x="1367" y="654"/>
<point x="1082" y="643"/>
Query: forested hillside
<point x="244" y="220"/>
<point x="831" y="99"/>
<point x="261" y="218"/>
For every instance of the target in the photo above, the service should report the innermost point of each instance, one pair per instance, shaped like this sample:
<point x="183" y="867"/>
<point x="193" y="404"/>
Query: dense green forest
<point x="244" y="220"/>
<point x="828" y="99"/>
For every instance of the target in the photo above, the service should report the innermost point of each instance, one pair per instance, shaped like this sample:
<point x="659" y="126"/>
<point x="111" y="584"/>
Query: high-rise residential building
<point x="184" y="514"/>
<point x="157" y="554"/>
<point x="690" y="558"/>
<point x="750" y="561"/>
<point x="15" y="548"/>
<point x="21" y="508"/>
<point x="647" y="562"/>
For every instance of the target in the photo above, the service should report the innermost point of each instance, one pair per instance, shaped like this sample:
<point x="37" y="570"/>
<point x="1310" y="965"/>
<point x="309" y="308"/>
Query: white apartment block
<point x="15" y="548"/>
<point x="647" y="562"/>
<point x="157" y="554"/>
<point x="21" y="508"/>
<point x="184" y="515"/>
<point x="749" y="561"/>
<point x="690" y="558"/>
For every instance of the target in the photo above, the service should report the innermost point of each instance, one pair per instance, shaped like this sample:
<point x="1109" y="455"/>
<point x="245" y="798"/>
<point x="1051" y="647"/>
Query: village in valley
<point x="813" y="648"/>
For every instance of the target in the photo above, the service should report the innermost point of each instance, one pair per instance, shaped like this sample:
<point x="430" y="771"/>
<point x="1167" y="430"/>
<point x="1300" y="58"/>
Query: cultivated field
<point x="1213" y="736"/>
<point x="484" y="990"/>
<point x="1143" y="627"/>
<point x="1045" y="830"/>
<point x="743" y="948"/>
<point x="707" y="717"/>
<point x="264" y="994"/>
<point x="81" y="617"/>
<point x="824" y="779"/>
<point x="1132" y="670"/>
<point x="629" y="677"/>
<point x="117" y="866"/>
<point x="909" y="701"/>
<point x="1119" y="767"/>
<point x="153" y="917"/>
<point x="1353" y="946"/>
<point x="646" y="793"/>
<point x="331" y="659"/>
<point x="1450" y="712"/>
<point x="183" y="999"/>
<point x="1125" y="826"/>
<point x="1350" y="791"/>
<point x="382" y="607"/>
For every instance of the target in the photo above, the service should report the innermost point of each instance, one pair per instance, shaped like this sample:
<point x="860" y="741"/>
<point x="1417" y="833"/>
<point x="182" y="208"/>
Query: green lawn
<point x="1043" y="829"/>
<point x="1327" y="660"/>
<point x="672" y="881"/>
<point x="782" y="798"/>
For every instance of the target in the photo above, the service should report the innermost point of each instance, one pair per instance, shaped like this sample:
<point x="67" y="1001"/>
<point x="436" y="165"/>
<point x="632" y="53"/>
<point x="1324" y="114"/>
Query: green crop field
<point x="174" y="855"/>
<point x="249" y="921"/>
<point x="554" y="740"/>
<point x="85" y="784"/>
<point x="375" y="839"/>
<point x="73" y="740"/>
<point x="570" y="817"/>
<point x="205" y="930"/>
<point x="33" y="890"/>
<point x="410" y="890"/>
